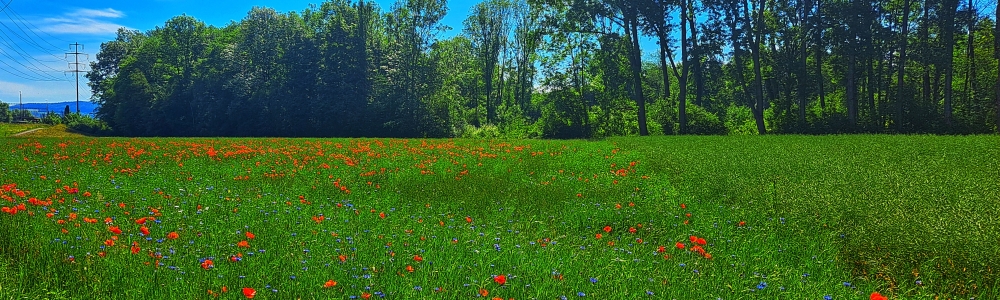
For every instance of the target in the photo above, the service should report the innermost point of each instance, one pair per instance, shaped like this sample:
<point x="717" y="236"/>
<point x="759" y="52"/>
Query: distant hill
<point x="40" y="109"/>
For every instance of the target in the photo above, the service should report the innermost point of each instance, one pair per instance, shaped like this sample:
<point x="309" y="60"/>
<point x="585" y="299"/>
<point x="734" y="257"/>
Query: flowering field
<point x="685" y="218"/>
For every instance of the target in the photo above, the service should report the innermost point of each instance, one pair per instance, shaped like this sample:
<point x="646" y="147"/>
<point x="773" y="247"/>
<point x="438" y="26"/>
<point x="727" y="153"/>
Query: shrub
<point x="703" y="122"/>
<point x="52" y="119"/>
<point x="739" y="120"/>
<point x="86" y="124"/>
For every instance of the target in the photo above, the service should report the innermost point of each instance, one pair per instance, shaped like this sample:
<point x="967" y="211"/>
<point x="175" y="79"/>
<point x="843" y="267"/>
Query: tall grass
<point x="782" y="217"/>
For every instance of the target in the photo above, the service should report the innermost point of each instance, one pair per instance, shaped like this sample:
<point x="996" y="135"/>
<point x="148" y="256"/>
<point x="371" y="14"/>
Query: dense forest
<point x="560" y="69"/>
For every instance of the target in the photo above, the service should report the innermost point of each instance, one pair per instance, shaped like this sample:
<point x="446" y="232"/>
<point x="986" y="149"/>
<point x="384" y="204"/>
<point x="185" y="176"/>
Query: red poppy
<point x="144" y="230"/>
<point x="418" y="258"/>
<point x="365" y="295"/>
<point x="661" y="249"/>
<point x="631" y="229"/>
<point x="468" y="219"/>
<point x="701" y="241"/>
<point x="693" y="239"/>
<point x="342" y="257"/>
<point x="173" y="235"/>
<point x="250" y="235"/>
<point x="607" y="229"/>
<point x="135" y="248"/>
<point x="683" y="206"/>
<point x="329" y="284"/>
<point x="598" y="236"/>
<point x="249" y="292"/>
<point x="680" y="245"/>
<point x="638" y="241"/>
<point x="207" y="264"/>
<point x="500" y="279"/>
<point x="877" y="296"/>
<point x="141" y="221"/>
<point x="243" y="244"/>
<point x="742" y="223"/>
<point x="381" y="215"/>
<point x="115" y="230"/>
<point x="109" y="243"/>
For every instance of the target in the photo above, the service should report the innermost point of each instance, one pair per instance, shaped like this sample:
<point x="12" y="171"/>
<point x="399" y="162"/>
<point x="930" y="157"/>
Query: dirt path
<point x="26" y="132"/>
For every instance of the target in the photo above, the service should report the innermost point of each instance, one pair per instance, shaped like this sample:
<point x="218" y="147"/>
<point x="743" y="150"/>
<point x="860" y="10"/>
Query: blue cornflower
<point x="593" y="280"/>
<point x="827" y="297"/>
<point x="762" y="285"/>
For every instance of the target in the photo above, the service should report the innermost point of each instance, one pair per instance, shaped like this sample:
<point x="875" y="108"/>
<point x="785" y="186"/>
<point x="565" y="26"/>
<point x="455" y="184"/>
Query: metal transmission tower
<point x="75" y="66"/>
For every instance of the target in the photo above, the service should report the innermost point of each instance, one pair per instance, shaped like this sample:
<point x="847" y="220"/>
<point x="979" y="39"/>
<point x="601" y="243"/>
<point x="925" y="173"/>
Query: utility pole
<point x="76" y="69"/>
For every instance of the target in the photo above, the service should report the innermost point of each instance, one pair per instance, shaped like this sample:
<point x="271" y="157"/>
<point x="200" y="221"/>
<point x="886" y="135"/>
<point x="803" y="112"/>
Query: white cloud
<point x="98" y="13"/>
<point x="84" y="21"/>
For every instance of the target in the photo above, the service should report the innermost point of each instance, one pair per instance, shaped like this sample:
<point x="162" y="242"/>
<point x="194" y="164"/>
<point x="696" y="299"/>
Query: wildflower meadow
<point x="791" y="217"/>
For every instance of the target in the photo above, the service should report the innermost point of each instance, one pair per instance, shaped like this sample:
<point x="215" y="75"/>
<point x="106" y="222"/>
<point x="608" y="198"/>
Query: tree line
<point x="561" y="69"/>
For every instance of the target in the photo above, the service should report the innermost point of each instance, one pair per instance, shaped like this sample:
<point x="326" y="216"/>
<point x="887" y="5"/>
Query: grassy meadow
<point x="9" y="129"/>
<point x="772" y="217"/>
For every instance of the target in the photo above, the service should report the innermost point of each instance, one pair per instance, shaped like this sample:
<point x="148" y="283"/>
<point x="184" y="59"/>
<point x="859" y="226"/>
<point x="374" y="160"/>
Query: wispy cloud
<point x="84" y="21"/>
<point x="98" y="13"/>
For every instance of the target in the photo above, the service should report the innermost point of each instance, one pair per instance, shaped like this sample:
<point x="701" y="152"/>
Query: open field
<point x="9" y="129"/>
<point x="773" y="217"/>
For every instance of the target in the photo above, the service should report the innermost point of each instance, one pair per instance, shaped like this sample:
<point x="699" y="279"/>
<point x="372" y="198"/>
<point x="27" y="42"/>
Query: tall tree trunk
<point x="900" y="98"/>
<point x="970" y="75"/>
<point x="802" y="89"/>
<point x="699" y="76"/>
<point x="663" y="65"/>
<point x="682" y="97"/>
<point x="758" y="33"/>
<point x="636" y="62"/>
<point x="925" y="48"/>
<point x="949" y="8"/>
<point x="851" y="85"/>
<point x="874" y="88"/>
<point x="996" y="54"/>
<point x="819" y="57"/>
<point x="852" y="98"/>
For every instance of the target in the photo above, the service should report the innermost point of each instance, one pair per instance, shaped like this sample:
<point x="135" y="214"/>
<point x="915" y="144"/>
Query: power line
<point x="6" y="39"/>
<point x="6" y="5"/>
<point x="25" y="37"/>
<point x="28" y="25"/>
<point x="31" y="68"/>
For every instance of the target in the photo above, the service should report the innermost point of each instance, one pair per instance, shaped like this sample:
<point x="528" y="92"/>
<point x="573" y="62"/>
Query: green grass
<point x="842" y="216"/>
<point x="9" y="129"/>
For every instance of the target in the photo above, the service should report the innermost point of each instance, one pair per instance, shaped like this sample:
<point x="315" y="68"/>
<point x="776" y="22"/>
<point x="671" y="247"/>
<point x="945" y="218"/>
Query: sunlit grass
<point x="9" y="129"/>
<point x="781" y="217"/>
<point x="55" y="131"/>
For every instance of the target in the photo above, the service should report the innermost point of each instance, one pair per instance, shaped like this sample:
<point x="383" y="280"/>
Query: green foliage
<point x="88" y="125"/>
<point x="739" y="120"/>
<point x="5" y="113"/>
<point x="703" y="122"/>
<point x="346" y="68"/>
<point x="564" y="116"/>
<point x="21" y="115"/>
<point x="52" y="119"/>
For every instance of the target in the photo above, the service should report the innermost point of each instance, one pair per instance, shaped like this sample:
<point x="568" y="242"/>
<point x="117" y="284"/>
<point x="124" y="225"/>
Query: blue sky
<point x="35" y="35"/>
